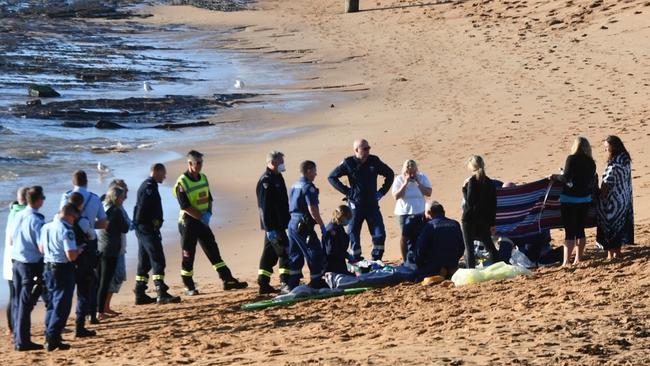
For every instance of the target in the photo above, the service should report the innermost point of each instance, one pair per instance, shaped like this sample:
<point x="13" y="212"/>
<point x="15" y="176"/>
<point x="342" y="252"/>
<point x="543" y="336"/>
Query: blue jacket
<point x="362" y="179"/>
<point x="335" y="247"/>
<point x="303" y="194"/>
<point x="440" y="244"/>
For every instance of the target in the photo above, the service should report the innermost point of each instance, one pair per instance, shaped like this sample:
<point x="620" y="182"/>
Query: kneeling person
<point x="60" y="251"/>
<point x="440" y="244"/>
<point x="336" y="241"/>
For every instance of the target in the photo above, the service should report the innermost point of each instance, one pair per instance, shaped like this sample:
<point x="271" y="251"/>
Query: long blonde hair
<point x="113" y="194"/>
<point x="340" y="213"/>
<point x="581" y="146"/>
<point x="409" y="164"/>
<point x="477" y="166"/>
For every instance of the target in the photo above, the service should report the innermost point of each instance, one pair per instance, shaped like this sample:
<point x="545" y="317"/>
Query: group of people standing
<point x="84" y="245"/>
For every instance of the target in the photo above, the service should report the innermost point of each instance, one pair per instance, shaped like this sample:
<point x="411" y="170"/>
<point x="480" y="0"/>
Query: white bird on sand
<point x="147" y="87"/>
<point x="101" y="168"/>
<point x="239" y="84"/>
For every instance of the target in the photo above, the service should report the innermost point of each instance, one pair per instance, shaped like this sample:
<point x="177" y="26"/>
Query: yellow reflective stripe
<point x="187" y="273"/>
<point x="142" y="278"/>
<point x="191" y="189"/>
<point x="219" y="265"/>
<point x="158" y="277"/>
<point x="263" y="272"/>
<point x="284" y="271"/>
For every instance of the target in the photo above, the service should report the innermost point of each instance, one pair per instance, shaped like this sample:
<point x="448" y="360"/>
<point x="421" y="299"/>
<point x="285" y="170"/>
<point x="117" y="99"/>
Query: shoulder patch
<point x="265" y="185"/>
<point x="69" y="235"/>
<point x="312" y="189"/>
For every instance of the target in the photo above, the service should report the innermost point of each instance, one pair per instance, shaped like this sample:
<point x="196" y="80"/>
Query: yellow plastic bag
<point x="496" y="272"/>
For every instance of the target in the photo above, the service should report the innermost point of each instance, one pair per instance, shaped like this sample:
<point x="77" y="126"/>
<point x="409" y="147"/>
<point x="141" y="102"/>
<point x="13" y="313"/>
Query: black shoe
<point x="83" y="333"/>
<point x="266" y="289"/>
<point x="191" y="291"/>
<point x="165" y="298"/>
<point x="234" y="284"/>
<point x="144" y="300"/>
<point x="29" y="347"/>
<point x="92" y="319"/>
<point x="52" y="345"/>
<point x="318" y="284"/>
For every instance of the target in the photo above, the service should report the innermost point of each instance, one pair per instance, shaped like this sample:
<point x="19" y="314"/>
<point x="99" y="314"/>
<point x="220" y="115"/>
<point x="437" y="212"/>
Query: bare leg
<point x="107" y="307"/>
<point x="402" y="245"/>
<point x="582" y="243"/>
<point x="568" y="251"/>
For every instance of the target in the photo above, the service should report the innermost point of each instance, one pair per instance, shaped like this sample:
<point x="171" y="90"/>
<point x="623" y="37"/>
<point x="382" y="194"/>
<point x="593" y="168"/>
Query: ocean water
<point x="176" y="60"/>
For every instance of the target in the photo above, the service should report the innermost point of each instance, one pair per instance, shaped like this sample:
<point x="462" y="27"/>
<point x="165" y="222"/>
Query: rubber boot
<point x="264" y="283"/>
<point x="80" y="329"/>
<point x="164" y="297"/>
<point x="141" y="297"/>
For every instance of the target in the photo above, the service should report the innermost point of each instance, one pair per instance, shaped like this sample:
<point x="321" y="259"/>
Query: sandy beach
<point x="513" y="81"/>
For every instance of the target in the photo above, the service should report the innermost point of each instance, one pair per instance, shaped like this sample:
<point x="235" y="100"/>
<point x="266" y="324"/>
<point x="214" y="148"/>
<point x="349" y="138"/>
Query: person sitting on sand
<point x="336" y="241"/>
<point x="440" y="244"/>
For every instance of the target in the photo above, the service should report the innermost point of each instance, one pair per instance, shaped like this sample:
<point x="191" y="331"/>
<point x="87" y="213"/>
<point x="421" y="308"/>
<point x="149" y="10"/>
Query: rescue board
<point x="271" y="303"/>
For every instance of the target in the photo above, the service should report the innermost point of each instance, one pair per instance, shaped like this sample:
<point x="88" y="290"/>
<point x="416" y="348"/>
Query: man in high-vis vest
<point x="193" y="194"/>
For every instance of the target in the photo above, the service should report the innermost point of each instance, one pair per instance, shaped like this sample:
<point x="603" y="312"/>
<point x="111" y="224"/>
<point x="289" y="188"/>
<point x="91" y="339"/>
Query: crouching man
<point x="440" y="244"/>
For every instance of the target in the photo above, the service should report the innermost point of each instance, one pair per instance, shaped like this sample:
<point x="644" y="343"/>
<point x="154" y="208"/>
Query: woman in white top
<point x="410" y="189"/>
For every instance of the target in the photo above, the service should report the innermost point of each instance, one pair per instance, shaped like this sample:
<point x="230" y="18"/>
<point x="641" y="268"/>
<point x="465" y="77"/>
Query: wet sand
<point x="434" y="82"/>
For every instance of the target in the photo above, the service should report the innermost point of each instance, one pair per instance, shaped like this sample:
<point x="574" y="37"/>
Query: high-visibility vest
<point x="197" y="192"/>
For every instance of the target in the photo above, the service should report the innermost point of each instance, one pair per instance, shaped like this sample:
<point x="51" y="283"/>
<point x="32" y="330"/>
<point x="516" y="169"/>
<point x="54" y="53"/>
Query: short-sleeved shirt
<point x="57" y="238"/>
<point x="27" y="231"/>
<point x="303" y="194"/>
<point x="413" y="201"/>
<point x="92" y="207"/>
<point x="14" y="209"/>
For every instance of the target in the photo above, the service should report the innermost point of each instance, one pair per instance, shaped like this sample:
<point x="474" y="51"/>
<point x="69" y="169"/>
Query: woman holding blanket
<point x="479" y="211"/>
<point x="579" y="178"/>
<point x="615" y="214"/>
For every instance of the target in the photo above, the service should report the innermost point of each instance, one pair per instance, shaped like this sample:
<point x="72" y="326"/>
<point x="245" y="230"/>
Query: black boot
<point x="52" y="343"/>
<point x="265" y="286"/>
<point x="141" y="297"/>
<point x="318" y="284"/>
<point x="80" y="329"/>
<point x="230" y="282"/>
<point x="164" y="297"/>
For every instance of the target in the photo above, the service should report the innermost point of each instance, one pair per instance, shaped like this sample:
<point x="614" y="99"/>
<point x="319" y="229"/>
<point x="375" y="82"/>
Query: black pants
<point x="150" y="253"/>
<point x="107" y="267"/>
<point x="9" y="306"/>
<point x="574" y="216"/>
<point x="477" y="231"/>
<point x="191" y="231"/>
<point x="271" y="255"/>
<point x="86" y="278"/>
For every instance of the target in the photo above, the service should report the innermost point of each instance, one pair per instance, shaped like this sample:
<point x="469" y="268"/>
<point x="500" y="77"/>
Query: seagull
<point x="101" y="168"/>
<point x="239" y="84"/>
<point x="147" y="87"/>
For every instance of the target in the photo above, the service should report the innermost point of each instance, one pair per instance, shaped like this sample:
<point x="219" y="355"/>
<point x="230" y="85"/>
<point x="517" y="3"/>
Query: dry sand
<point x="514" y="81"/>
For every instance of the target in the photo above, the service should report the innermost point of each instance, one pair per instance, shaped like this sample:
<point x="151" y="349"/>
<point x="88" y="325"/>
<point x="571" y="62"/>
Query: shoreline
<point x="443" y="81"/>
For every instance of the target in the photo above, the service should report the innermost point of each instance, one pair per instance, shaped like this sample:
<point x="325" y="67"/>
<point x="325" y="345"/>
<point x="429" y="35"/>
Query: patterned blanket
<point x="531" y="208"/>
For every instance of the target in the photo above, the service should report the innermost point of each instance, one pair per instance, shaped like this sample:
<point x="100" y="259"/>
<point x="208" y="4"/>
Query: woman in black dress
<point x="479" y="211"/>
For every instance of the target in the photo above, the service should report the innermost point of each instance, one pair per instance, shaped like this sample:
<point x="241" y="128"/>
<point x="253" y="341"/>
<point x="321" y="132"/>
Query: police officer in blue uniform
<point x="86" y="264"/>
<point x="27" y="267"/>
<point x="303" y="242"/>
<point x="148" y="219"/>
<point x="60" y="251"/>
<point x="363" y="197"/>
<point x="273" y="207"/>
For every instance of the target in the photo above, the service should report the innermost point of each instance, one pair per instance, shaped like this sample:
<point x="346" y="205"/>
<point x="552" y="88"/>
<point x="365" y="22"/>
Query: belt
<point x="67" y="265"/>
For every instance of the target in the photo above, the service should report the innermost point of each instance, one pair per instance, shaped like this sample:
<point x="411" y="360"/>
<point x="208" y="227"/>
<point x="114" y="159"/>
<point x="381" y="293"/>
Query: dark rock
<point x="218" y="5"/>
<point x="42" y="91"/>
<point x="554" y="21"/>
<point x="108" y="125"/>
<point x="77" y="124"/>
<point x="176" y="126"/>
<point x="33" y="102"/>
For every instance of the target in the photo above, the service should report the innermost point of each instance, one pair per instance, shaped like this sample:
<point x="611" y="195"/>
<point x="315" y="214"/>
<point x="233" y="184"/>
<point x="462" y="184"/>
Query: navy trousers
<point x="304" y="245"/>
<point x="372" y="216"/>
<point x="150" y="253"/>
<point x="26" y="277"/>
<point x="86" y="278"/>
<point x="60" y="282"/>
